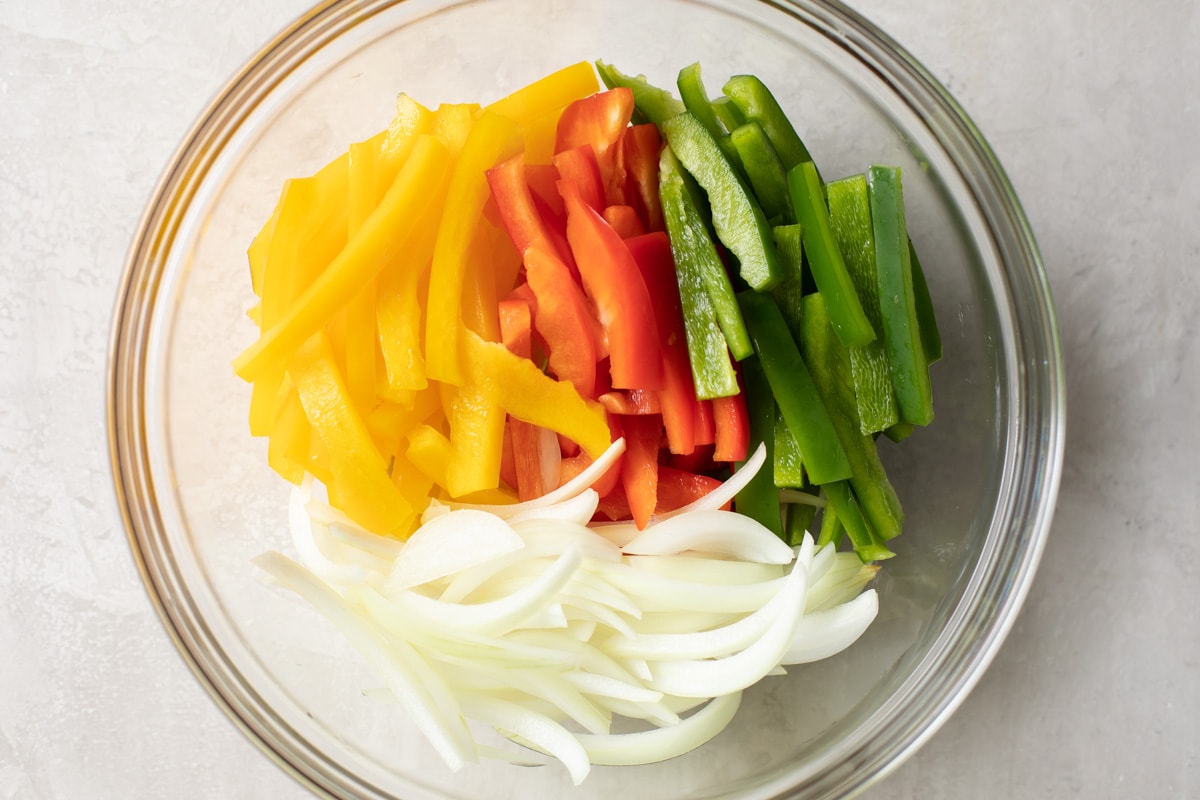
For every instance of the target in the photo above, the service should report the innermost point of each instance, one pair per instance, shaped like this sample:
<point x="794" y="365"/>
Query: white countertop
<point x="1092" y="106"/>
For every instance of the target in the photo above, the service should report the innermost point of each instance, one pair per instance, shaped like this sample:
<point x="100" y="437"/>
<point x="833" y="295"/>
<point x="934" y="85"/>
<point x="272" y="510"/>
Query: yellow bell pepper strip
<point x="360" y="260"/>
<point x="311" y="225"/>
<point x="525" y="392"/>
<point x="411" y="120"/>
<point x="451" y="125"/>
<point x="360" y="478"/>
<point x="492" y="139"/>
<point x="548" y="94"/>
<point x="359" y="315"/>
<point x="480" y="305"/>
<point x="398" y="309"/>
<point x="430" y="452"/>
<point x="477" y="436"/>
<point x="256" y="253"/>
<point x="288" y="445"/>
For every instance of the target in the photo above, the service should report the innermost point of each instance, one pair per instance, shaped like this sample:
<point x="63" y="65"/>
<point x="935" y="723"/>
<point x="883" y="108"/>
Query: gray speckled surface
<point x="1091" y="107"/>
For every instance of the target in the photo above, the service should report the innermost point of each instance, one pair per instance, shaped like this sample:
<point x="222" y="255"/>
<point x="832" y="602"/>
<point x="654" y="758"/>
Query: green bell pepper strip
<point x="850" y="220"/>
<point x="655" y="105"/>
<point x="791" y="290"/>
<point x="695" y="99"/>
<point x="691" y="247"/>
<point x="900" y="431"/>
<point x="831" y="531"/>
<point x="794" y="389"/>
<point x="765" y="171"/>
<point x="788" y="467"/>
<point x="736" y="216"/>
<point x="727" y="111"/>
<point x="897" y="302"/>
<point x="756" y="102"/>
<point x="866" y="542"/>
<point x="825" y="259"/>
<point x="931" y="338"/>
<point x="829" y="363"/>
<point x="759" y="499"/>
<point x="796" y="521"/>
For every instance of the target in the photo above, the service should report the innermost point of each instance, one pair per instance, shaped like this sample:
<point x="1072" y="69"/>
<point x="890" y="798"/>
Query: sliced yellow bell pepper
<point x="493" y="138"/>
<point x="548" y="94"/>
<point x="359" y="315"/>
<point x="359" y="475"/>
<point x="393" y="221"/>
<point x="430" y="452"/>
<point x="516" y="385"/>
<point x="452" y="123"/>
<point x="477" y="436"/>
<point x="411" y="120"/>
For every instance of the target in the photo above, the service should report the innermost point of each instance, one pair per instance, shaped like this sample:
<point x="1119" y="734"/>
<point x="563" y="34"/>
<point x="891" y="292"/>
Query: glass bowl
<point x="199" y="500"/>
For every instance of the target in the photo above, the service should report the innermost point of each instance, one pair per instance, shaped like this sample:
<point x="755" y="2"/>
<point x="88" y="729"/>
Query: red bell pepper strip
<point x="563" y="320"/>
<point x="639" y="469"/>
<point x="615" y="285"/>
<point x="640" y="151"/>
<point x="516" y="326"/>
<point x="652" y="253"/>
<point x="624" y="220"/>
<point x="543" y="184"/>
<point x="632" y="402"/>
<point x="526" y="221"/>
<point x="733" y="427"/>
<point x="706" y="426"/>
<point x="579" y="166"/>
<point x="599" y="121"/>
<point x="677" y="488"/>
<point x="573" y="465"/>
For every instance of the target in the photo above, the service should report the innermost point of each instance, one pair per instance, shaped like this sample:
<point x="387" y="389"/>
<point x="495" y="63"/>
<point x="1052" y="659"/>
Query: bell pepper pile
<point x="472" y="304"/>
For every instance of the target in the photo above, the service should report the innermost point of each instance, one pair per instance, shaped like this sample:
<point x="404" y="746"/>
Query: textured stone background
<point x="1091" y="107"/>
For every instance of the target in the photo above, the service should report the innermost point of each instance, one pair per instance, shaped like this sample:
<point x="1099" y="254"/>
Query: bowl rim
<point x="1042" y="398"/>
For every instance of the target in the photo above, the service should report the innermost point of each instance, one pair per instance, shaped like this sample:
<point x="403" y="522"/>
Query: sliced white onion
<point x="736" y="672"/>
<point x="712" y="531"/>
<point x="497" y="616"/>
<point x="578" y="509"/>
<point x="829" y="632"/>
<point x="451" y="543"/>
<point x="537" y="729"/>
<point x="661" y="744"/>
<point x="441" y="724"/>
<point x="303" y="539"/>
<point x="658" y="593"/>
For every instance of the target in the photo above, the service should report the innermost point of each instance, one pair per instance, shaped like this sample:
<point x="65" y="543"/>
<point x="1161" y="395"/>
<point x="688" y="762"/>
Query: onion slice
<point x="723" y="533"/>
<point x="661" y="744"/>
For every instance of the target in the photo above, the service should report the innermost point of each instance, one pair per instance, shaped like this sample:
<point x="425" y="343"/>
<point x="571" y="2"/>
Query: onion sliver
<point x="829" y="632"/>
<point x="440" y="723"/>
<point x="646" y="747"/>
<point x="657" y="593"/>
<point x="736" y="672"/>
<point x="721" y="532"/>
<point x="498" y="616"/>
<point x="578" y="509"/>
<point x="451" y="543"/>
<point x="537" y="729"/>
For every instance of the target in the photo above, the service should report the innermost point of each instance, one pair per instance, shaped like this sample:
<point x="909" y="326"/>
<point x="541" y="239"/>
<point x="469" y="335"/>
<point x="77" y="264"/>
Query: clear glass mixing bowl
<point x="199" y="500"/>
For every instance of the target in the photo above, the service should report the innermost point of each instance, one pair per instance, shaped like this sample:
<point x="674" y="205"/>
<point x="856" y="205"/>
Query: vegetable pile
<point x="549" y="342"/>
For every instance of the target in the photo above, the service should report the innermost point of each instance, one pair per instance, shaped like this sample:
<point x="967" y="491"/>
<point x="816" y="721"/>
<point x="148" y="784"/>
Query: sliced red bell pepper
<point x="599" y="121"/>
<point x="573" y="465"/>
<point x="516" y="325"/>
<point x="624" y="220"/>
<point x="563" y="319"/>
<point x="632" y="402"/>
<point x="677" y="488"/>
<point x="733" y="427"/>
<point x="652" y="253"/>
<point x="526" y="220"/>
<point x="639" y="469"/>
<point x="640" y="151"/>
<point x="579" y="166"/>
<point x="706" y="426"/>
<point x="699" y="461"/>
<point x="543" y="184"/>
<point x="615" y="285"/>
<point x="508" y="467"/>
